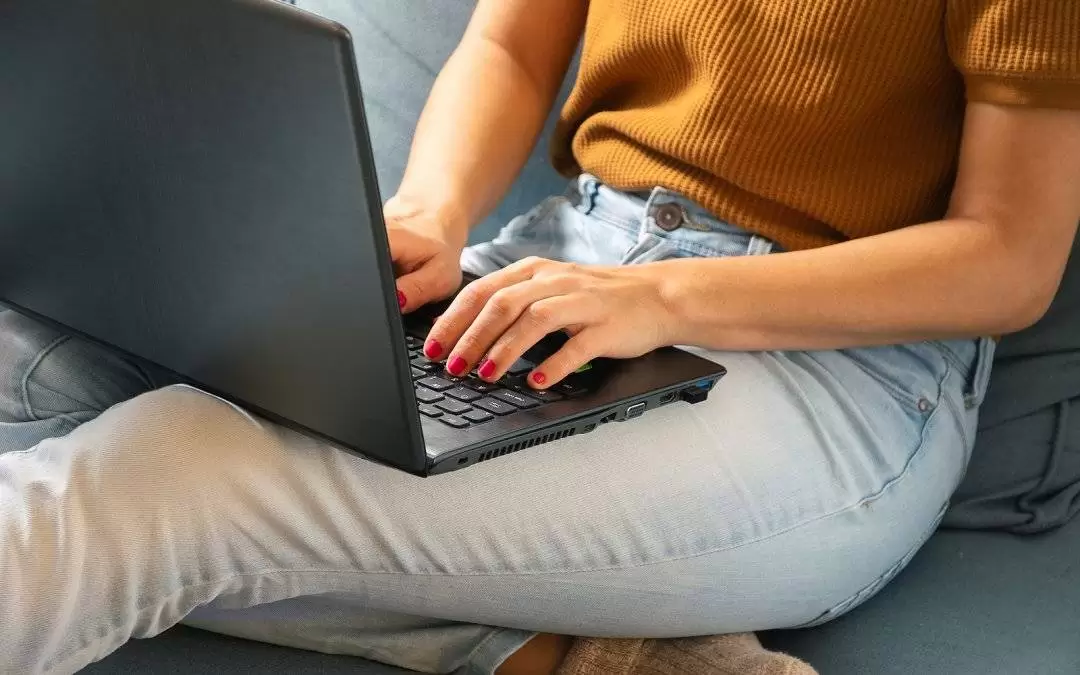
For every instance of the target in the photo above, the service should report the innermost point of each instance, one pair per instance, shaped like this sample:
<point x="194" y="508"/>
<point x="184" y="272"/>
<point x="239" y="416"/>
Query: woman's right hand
<point x="426" y="254"/>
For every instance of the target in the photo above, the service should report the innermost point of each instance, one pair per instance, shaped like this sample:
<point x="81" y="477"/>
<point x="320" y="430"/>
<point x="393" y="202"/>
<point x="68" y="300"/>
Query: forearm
<point x="947" y="279"/>
<point x="476" y="132"/>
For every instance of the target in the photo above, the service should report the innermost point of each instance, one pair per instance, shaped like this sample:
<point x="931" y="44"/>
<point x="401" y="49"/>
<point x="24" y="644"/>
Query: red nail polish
<point x="432" y="349"/>
<point x="457" y="366"/>
<point x="539" y="378"/>
<point x="401" y="300"/>
<point x="487" y="369"/>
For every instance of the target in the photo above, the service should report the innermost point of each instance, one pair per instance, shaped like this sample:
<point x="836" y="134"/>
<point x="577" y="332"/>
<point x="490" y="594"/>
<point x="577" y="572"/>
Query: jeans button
<point x="669" y="217"/>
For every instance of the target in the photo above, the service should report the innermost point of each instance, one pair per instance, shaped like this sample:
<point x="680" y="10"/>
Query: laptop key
<point x="416" y="372"/>
<point x="454" y="421"/>
<point x="437" y="383"/>
<point x="427" y="396"/>
<point x="478" y="416"/>
<point x="516" y="399"/>
<point x="463" y="394"/>
<point x="429" y="410"/>
<point x="423" y="364"/>
<point x="453" y="407"/>
<point x="520" y="366"/>
<point x="569" y="388"/>
<point x="542" y="395"/>
<point x="414" y="342"/>
<point x="481" y="386"/>
<point x="495" y="406"/>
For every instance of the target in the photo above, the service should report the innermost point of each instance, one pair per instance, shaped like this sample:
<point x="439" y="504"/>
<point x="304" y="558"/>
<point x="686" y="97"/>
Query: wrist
<point x="675" y="283"/>
<point x="444" y="222"/>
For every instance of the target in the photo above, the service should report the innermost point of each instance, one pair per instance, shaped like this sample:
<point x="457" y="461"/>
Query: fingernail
<point x="401" y="300"/>
<point x="487" y="369"/>
<point x="539" y="378"/>
<point x="432" y="349"/>
<point x="457" y="366"/>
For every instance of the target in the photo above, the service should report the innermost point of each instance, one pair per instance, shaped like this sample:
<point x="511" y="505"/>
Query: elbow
<point x="1026" y="305"/>
<point x="1024" y="316"/>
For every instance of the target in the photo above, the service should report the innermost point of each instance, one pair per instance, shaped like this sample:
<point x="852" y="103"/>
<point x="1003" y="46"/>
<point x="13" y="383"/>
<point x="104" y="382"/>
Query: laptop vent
<point x="521" y="445"/>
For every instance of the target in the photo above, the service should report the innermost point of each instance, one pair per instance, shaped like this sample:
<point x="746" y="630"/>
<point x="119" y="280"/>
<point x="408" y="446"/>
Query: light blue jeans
<point x="801" y="487"/>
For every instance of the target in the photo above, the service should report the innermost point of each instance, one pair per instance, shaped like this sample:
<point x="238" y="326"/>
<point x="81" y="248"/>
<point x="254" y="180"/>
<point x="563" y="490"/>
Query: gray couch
<point x="983" y="603"/>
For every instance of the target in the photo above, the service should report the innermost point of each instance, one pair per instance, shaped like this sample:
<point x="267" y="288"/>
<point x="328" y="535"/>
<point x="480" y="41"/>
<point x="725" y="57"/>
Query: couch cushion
<point x="187" y="651"/>
<point x="970" y="603"/>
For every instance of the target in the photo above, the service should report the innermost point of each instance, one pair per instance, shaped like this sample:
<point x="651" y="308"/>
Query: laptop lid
<point x="192" y="182"/>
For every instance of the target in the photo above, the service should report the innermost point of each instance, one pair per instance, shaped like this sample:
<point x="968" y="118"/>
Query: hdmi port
<point x="668" y="397"/>
<point x="609" y="418"/>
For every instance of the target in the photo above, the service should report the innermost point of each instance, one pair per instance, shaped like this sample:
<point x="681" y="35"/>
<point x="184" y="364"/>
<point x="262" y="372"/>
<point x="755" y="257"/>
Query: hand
<point x="426" y="257"/>
<point x="616" y="312"/>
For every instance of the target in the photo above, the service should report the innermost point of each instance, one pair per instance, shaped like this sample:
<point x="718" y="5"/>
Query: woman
<point x="800" y="191"/>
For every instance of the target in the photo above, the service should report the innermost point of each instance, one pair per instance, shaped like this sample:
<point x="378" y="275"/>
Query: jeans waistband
<point x="664" y="212"/>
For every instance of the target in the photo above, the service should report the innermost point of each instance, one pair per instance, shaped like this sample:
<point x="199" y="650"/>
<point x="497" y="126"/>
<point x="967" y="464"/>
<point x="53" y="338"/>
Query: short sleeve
<point x="1017" y="52"/>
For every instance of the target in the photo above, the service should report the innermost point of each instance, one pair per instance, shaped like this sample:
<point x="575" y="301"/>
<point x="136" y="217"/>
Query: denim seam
<point x="965" y="370"/>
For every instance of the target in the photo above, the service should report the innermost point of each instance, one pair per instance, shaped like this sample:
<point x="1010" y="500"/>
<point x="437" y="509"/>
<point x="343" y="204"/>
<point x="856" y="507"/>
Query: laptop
<point x="192" y="184"/>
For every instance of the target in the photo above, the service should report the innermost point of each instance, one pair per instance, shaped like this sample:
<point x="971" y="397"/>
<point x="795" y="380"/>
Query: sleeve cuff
<point x="1033" y="93"/>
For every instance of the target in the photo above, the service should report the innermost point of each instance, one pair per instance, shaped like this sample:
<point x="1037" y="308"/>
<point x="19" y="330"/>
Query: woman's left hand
<point x="616" y="312"/>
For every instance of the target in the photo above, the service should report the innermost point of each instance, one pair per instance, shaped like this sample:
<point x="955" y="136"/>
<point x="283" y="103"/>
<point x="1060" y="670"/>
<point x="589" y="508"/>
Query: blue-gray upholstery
<point x="970" y="603"/>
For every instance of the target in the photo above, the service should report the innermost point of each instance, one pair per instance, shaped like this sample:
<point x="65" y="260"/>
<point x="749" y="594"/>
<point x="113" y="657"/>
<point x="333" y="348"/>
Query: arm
<point x="485" y="113"/>
<point x="992" y="266"/>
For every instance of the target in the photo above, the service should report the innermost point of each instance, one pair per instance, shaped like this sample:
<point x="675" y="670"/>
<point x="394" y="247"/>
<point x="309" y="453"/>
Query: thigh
<point x="51" y="382"/>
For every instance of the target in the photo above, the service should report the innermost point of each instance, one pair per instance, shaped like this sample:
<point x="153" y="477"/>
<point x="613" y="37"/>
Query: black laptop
<point x="192" y="183"/>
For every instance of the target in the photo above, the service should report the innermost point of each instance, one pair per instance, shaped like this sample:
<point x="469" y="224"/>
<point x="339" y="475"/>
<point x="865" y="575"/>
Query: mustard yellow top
<point x="806" y="121"/>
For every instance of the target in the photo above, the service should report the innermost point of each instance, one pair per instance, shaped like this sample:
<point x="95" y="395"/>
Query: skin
<point x="990" y="267"/>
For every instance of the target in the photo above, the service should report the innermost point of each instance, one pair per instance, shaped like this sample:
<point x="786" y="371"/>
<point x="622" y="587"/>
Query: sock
<point x="739" y="654"/>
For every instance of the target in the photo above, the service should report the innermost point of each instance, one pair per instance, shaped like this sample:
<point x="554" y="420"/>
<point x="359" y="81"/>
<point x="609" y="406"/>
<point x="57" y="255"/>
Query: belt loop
<point x="586" y="190"/>
<point x="759" y="246"/>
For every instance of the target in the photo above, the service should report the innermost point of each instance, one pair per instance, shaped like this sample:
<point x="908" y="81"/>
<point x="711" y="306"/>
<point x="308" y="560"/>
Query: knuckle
<point x="501" y="303"/>
<point x="564" y="278"/>
<point x="473" y="295"/>
<point x="540" y="315"/>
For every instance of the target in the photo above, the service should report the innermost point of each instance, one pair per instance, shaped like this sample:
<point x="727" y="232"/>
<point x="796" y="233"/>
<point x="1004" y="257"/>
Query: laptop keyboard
<point x="461" y="402"/>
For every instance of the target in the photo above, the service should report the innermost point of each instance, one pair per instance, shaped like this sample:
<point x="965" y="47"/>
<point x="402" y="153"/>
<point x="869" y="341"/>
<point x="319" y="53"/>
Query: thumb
<point x="428" y="283"/>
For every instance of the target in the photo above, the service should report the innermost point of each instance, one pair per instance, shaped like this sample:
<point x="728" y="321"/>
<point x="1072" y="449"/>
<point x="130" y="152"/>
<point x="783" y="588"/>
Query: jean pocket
<point x="914" y="374"/>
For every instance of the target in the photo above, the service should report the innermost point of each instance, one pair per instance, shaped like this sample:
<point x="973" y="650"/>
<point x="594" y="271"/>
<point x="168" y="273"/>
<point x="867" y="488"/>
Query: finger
<point x="429" y="283"/>
<point x="472" y="300"/>
<point x="579" y="350"/>
<point x="536" y="322"/>
<point x="502" y="310"/>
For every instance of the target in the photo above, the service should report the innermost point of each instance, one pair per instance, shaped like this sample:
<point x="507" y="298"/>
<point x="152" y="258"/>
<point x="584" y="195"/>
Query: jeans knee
<point x="175" y="447"/>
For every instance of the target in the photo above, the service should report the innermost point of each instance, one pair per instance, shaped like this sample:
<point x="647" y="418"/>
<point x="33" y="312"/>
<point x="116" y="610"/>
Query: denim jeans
<point x="800" y="488"/>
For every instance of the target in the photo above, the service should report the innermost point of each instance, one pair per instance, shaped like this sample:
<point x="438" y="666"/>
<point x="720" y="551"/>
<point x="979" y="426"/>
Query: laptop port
<point x="668" y="397"/>
<point x="609" y="418"/>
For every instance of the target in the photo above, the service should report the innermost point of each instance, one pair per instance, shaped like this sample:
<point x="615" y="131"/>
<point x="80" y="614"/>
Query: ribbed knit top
<point x="812" y="121"/>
